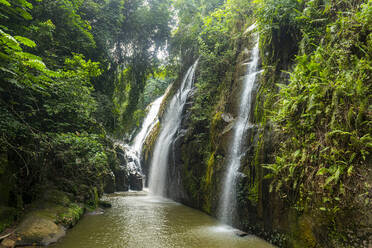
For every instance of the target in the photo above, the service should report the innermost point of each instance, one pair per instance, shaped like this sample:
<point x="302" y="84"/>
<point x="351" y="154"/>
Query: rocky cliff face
<point x="199" y="153"/>
<point x="198" y="159"/>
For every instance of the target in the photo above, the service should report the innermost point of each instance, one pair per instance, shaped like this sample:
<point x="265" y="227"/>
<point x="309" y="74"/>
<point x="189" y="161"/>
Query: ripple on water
<point x="137" y="220"/>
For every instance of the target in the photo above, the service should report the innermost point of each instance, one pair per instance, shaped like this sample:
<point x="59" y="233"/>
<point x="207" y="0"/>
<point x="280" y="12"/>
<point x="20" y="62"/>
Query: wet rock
<point x="109" y="183"/>
<point x="240" y="233"/>
<point x="98" y="211"/>
<point x="135" y="181"/>
<point x="130" y="174"/>
<point x="148" y="148"/>
<point x="121" y="179"/>
<point x="8" y="243"/>
<point x="226" y="137"/>
<point x="227" y="117"/>
<point x="38" y="230"/>
<point x="120" y="154"/>
<point x="104" y="204"/>
<point x="121" y="172"/>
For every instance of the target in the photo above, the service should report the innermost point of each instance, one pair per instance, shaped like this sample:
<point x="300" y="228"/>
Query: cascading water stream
<point x="133" y="152"/>
<point x="228" y="200"/>
<point x="147" y="125"/>
<point x="170" y="125"/>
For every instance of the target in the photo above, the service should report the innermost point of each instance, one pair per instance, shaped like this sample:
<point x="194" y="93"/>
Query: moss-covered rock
<point x="56" y="196"/>
<point x="109" y="183"/>
<point x="120" y="170"/>
<point x="121" y="179"/>
<point x="69" y="216"/>
<point x="148" y="147"/>
<point x="47" y="219"/>
<point x="37" y="229"/>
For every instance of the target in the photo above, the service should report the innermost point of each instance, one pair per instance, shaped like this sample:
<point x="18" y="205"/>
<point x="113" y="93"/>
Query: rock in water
<point x="121" y="179"/>
<point x="104" y="204"/>
<point x="109" y="183"/>
<point x="240" y="233"/>
<point x="38" y="230"/>
<point x="135" y="181"/>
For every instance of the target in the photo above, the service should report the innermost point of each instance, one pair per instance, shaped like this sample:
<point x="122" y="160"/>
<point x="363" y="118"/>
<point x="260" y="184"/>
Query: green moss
<point x="94" y="198"/>
<point x="57" y="197"/>
<point x="150" y="141"/>
<point x="207" y="184"/>
<point x="216" y="118"/>
<point x="167" y="97"/>
<point x="209" y="173"/>
<point x="253" y="193"/>
<point x="70" y="215"/>
<point x="302" y="233"/>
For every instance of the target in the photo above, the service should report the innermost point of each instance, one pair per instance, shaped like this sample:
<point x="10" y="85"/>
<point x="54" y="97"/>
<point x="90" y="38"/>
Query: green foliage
<point x="156" y="85"/>
<point x="278" y="14"/>
<point x="324" y="118"/>
<point x="63" y="19"/>
<point x="142" y="33"/>
<point x="70" y="215"/>
<point x="46" y="125"/>
<point x="59" y="93"/>
<point x="217" y="37"/>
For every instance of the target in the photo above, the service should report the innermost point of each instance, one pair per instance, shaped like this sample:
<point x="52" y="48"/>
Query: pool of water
<point x="139" y="220"/>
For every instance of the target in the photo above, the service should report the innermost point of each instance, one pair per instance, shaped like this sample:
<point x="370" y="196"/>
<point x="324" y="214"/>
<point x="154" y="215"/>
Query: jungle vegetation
<point x="75" y="73"/>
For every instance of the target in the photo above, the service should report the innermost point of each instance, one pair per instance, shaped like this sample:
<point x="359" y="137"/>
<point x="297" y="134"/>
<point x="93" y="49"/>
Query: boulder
<point x="240" y="233"/>
<point x="8" y="243"/>
<point x="104" y="204"/>
<point x="121" y="179"/>
<point x="38" y="230"/>
<point x="135" y="181"/>
<point x="109" y="183"/>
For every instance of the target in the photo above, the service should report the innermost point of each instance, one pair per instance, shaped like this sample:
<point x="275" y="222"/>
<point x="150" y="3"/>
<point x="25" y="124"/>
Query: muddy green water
<point x="138" y="220"/>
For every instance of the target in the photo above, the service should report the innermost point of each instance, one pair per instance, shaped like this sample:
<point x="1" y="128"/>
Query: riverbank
<point x="46" y="220"/>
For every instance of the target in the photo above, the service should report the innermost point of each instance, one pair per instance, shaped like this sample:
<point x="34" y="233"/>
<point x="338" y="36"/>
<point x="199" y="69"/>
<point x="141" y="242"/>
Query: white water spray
<point x="227" y="206"/>
<point x="133" y="152"/>
<point x="147" y="125"/>
<point x="170" y="124"/>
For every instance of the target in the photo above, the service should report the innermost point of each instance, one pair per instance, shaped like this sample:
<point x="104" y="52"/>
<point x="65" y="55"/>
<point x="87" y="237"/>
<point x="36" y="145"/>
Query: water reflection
<point x="137" y="220"/>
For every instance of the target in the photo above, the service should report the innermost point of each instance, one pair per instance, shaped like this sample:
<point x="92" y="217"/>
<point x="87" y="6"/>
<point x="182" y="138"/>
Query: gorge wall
<point x="197" y="161"/>
<point x="267" y="207"/>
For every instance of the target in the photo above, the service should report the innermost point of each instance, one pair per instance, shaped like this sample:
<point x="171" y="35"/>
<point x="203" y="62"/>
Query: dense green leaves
<point x="40" y="107"/>
<point x="71" y="70"/>
<point x="323" y="116"/>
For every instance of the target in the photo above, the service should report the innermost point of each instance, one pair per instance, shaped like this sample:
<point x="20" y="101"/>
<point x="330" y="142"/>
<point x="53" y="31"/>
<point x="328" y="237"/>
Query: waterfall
<point x="132" y="154"/>
<point x="170" y="124"/>
<point x="228" y="200"/>
<point x="147" y="125"/>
